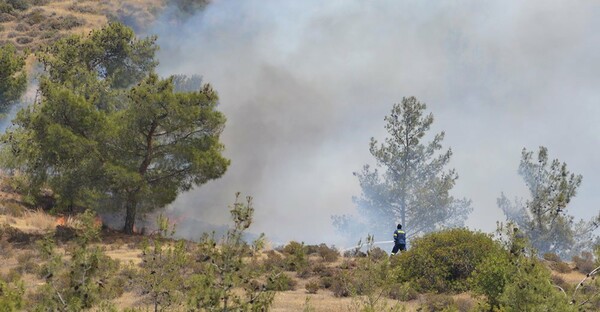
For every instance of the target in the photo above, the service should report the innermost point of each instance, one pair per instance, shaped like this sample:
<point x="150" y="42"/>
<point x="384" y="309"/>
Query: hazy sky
<point x="306" y="84"/>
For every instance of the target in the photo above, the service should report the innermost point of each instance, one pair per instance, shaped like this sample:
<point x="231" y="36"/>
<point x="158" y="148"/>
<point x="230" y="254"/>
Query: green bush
<point x="11" y="296"/>
<point x="6" y="8"/>
<point x="443" y="261"/>
<point x="515" y="280"/>
<point x="491" y="275"/>
<point x="341" y="284"/>
<point x="295" y="256"/>
<point x="529" y="289"/>
<point x="81" y="280"/>
<point x="328" y="254"/>
<point x="280" y="282"/>
<point x="274" y="261"/>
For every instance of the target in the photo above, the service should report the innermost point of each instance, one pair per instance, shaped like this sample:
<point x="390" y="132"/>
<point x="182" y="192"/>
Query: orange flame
<point x="61" y="221"/>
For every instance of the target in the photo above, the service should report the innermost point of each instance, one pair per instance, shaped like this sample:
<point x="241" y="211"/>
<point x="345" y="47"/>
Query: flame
<point x="62" y="221"/>
<point x="98" y="221"/>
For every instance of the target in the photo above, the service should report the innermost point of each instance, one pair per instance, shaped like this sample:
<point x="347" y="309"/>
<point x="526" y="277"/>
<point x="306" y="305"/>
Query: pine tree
<point x="107" y="132"/>
<point x="414" y="187"/>
<point x="543" y="217"/>
<point x="13" y="80"/>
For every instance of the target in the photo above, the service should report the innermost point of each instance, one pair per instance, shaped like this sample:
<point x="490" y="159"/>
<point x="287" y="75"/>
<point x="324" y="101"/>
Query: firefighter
<point x="399" y="240"/>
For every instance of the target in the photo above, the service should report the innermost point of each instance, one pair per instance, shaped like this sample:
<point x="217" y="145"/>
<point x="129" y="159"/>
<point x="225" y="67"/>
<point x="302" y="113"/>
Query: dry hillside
<point x="23" y="226"/>
<point x="38" y="22"/>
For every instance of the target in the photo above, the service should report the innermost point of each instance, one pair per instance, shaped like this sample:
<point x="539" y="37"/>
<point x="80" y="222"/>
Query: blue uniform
<point x="399" y="241"/>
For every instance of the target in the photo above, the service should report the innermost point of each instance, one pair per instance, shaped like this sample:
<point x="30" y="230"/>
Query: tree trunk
<point x="131" y="206"/>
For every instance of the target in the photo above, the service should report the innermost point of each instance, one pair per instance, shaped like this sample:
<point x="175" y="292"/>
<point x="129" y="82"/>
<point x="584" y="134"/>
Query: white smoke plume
<point x="305" y="84"/>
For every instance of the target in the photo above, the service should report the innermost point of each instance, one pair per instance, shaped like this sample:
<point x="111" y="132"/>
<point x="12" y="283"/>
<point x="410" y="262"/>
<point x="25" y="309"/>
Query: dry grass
<point x="92" y="14"/>
<point x="39" y="220"/>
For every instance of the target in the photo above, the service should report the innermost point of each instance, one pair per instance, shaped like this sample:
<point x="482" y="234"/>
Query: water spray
<point x="361" y="245"/>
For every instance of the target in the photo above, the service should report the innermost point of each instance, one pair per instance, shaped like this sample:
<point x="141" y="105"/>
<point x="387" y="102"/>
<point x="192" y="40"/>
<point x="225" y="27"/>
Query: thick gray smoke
<point x="305" y="84"/>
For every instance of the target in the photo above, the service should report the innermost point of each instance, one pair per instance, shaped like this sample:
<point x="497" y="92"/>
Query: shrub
<point x="491" y="275"/>
<point x="5" y="17"/>
<point x="35" y="17"/>
<point x="6" y="8"/>
<point x="12" y="209"/>
<point x="216" y="280"/>
<point x="464" y="304"/>
<point x="21" y="27"/>
<point x="296" y="257"/>
<point x="6" y="249"/>
<point x="81" y="280"/>
<point x="341" y="284"/>
<point x="328" y="254"/>
<point x="438" y="302"/>
<point x="62" y="23"/>
<point x="20" y="5"/>
<point x="528" y="289"/>
<point x="403" y="292"/>
<point x="377" y="254"/>
<point x="560" y="267"/>
<point x="304" y="272"/>
<point x="280" y="282"/>
<point x="312" y="287"/>
<point x="274" y="261"/>
<point x="584" y="264"/>
<point x="27" y="263"/>
<point x="321" y="270"/>
<point x="443" y="261"/>
<point x="11" y="296"/>
<point x="550" y="256"/>
<point x="560" y="282"/>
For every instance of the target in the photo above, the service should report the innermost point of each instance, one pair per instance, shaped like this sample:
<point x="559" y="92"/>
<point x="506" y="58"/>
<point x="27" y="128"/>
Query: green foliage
<point x="97" y="142"/>
<point x="414" y="187"/>
<point x="491" y="276"/>
<point x="222" y="268"/>
<point x="515" y="280"/>
<point x="280" y="282"/>
<point x="543" y="217"/>
<point x="113" y="54"/>
<point x="11" y="296"/>
<point x="164" y="265"/>
<point x="296" y="257"/>
<point x="13" y="80"/>
<point x="529" y="289"/>
<point x="328" y="254"/>
<point x="183" y="83"/>
<point x="443" y="261"/>
<point x="81" y="280"/>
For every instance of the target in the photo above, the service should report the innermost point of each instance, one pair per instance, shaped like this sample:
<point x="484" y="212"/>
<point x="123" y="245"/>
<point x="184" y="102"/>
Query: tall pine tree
<point x="413" y="187"/>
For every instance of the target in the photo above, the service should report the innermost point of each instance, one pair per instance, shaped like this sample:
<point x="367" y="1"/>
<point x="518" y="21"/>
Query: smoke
<point x="305" y="84"/>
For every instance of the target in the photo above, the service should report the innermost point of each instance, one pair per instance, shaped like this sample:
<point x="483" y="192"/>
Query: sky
<point x="306" y="84"/>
